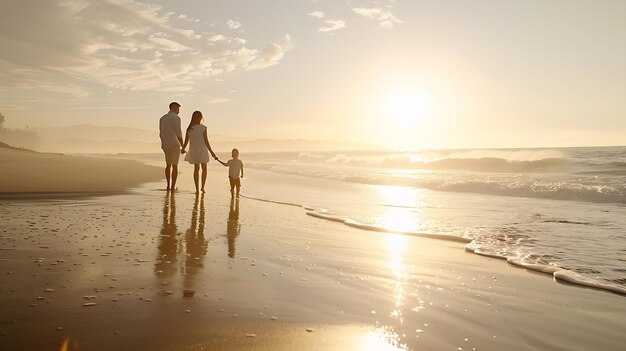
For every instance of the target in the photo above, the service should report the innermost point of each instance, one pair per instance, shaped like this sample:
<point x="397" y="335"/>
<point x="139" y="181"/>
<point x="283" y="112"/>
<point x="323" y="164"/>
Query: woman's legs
<point x="196" y="170"/>
<point x="203" y="175"/>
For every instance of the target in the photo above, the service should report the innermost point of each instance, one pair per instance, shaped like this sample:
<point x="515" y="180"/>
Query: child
<point x="235" y="167"/>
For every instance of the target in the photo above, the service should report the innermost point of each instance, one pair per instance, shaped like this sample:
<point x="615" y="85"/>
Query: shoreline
<point x="176" y="271"/>
<point x="28" y="174"/>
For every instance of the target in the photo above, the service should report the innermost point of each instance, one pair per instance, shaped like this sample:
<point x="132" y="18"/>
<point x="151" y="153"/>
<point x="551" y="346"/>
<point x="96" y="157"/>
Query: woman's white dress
<point x="198" y="152"/>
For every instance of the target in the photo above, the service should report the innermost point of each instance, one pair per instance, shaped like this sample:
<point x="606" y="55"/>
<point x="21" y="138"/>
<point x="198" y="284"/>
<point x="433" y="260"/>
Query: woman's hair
<point x="196" y="118"/>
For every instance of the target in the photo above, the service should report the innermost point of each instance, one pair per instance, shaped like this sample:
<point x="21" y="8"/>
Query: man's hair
<point x="174" y="104"/>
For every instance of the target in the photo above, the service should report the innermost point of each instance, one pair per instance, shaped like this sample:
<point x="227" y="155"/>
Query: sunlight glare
<point x="406" y="108"/>
<point x="400" y="212"/>
<point x="381" y="340"/>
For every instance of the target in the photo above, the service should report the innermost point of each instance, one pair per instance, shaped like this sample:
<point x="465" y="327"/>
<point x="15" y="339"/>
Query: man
<point x="171" y="142"/>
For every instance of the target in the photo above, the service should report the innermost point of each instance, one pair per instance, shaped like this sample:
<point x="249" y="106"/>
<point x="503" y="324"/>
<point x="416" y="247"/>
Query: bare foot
<point x="203" y="190"/>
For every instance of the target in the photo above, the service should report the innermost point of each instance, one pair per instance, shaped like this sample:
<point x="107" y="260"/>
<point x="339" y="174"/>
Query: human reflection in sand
<point x="168" y="239"/>
<point x="195" y="243"/>
<point x="232" y="226"/>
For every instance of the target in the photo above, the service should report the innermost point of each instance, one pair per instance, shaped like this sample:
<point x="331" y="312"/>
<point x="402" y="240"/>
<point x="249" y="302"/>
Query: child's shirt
<point x="234" y="168"/>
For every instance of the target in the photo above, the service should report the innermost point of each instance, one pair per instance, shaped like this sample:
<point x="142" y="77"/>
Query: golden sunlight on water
<point x="395" y="245"/>
<point x="401" y="211"/>
<point x="380" y="340"/>
<point x="400" y="214"/>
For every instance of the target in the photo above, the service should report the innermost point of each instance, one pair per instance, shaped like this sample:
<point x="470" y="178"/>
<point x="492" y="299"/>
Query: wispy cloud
<point x="271" y="54"/>
<point x="232" y="24"/>
<point x="65" y="46"/>
<point x="332" y="25"/>
<point x="217" y="100"/>
<point x="317" y="14"/>
<point x="385" y="18"/>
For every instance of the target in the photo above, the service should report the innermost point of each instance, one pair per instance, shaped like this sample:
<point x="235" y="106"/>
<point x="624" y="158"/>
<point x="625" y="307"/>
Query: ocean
<point x="560" y="211"/>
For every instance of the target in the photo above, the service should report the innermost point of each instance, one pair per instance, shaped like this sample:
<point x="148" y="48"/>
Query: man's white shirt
<point x="169" y="131"/>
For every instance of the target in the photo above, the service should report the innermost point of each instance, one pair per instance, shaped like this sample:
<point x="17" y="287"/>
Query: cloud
<point x="167" y="44"/>
<point x="385" y="18"/>
<point x="232" y="24"/>
<point x="271" y="54"/>
<point x="217" y="37"/>
<point x="217" y="100"/>
<point x="66" y="46"/>
<point x="317" y="14"/>
<point x="332" y="25"/>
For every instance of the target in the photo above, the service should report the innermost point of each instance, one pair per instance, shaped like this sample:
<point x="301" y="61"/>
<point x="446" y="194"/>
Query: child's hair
<point x="196" y="118"/>
<point x="235" y="151"/>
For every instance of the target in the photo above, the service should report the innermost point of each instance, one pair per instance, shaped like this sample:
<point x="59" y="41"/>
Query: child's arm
<point x="241" y="169"/>
<point x="220" y="161"/>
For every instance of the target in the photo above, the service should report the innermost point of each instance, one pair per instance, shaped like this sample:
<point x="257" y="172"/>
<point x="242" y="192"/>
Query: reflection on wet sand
<point x="195" y="243"/>
<point x="170" y="247"/>
<point x="232" y="226"/>
<point x="168" y="242"/>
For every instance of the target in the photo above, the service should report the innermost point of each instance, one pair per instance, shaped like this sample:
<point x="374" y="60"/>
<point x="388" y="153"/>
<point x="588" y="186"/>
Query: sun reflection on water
<point x="381" y="339"/>
<point x="401" y="213"/>
<point x="402" y="208"/>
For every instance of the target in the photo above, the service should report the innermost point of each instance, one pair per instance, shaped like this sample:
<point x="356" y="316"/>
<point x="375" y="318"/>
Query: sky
<point x="399" y="73"/>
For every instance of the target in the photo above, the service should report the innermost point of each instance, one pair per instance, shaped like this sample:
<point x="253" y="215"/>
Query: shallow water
<point x="560" y="211"/>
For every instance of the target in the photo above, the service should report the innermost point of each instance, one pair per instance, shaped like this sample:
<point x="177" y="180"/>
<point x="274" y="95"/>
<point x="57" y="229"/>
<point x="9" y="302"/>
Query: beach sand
<point x="23" y="171"/>
<point x="154" y="270"/>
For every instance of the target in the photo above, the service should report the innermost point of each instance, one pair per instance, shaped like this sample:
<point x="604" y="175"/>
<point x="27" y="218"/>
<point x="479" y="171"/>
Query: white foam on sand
<point x="557" y="272"/>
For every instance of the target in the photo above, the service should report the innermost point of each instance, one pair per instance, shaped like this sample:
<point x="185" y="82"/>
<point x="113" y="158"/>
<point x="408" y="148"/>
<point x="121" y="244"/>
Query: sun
<point x="406" y="108"/>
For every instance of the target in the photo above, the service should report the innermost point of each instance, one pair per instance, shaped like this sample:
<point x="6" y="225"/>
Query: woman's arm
<point x="182" y="151"/>
<point x="206" y="142"/>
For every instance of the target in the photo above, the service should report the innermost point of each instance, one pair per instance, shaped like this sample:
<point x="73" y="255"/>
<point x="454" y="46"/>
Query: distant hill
<point x="96" y="139"/>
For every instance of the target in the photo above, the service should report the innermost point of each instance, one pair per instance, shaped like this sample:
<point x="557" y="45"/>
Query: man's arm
<point x="179" y="136"/>
<point x="182" y="151"/>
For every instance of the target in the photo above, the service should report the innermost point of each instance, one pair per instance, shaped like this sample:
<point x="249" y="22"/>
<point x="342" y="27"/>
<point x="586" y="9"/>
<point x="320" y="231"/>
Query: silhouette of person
<point x="195" y="244"/>
<point x="235" y="172"/>
<point x="232" y="226"/>
<point x="171" y="141"/>
<point x="168" y="242"/>
<point x="199" y="148"/>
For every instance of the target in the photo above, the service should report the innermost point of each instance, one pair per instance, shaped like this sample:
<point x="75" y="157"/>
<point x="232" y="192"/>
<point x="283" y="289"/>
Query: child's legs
<point x="238" y="188"/>
<point x="196" y="171"/>
<point x="232" y="186"/>
<point x="203" y="175"/>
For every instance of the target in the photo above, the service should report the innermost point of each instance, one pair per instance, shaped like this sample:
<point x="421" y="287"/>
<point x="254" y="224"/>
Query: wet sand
<point x="37" y="174"/>
<point x="152" y="270"/>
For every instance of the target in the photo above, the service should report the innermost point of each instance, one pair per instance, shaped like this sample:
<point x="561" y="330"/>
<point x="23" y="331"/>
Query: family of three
<point x="196" y="137"/>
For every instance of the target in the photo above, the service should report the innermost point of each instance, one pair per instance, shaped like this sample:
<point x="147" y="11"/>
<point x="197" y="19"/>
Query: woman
<point x="199" y="147"/>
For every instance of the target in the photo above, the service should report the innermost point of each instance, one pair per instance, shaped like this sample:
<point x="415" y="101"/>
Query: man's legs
<point x="171" y="168"/>
<point x="167" y="175"/>
<point x="174" y="176"/>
